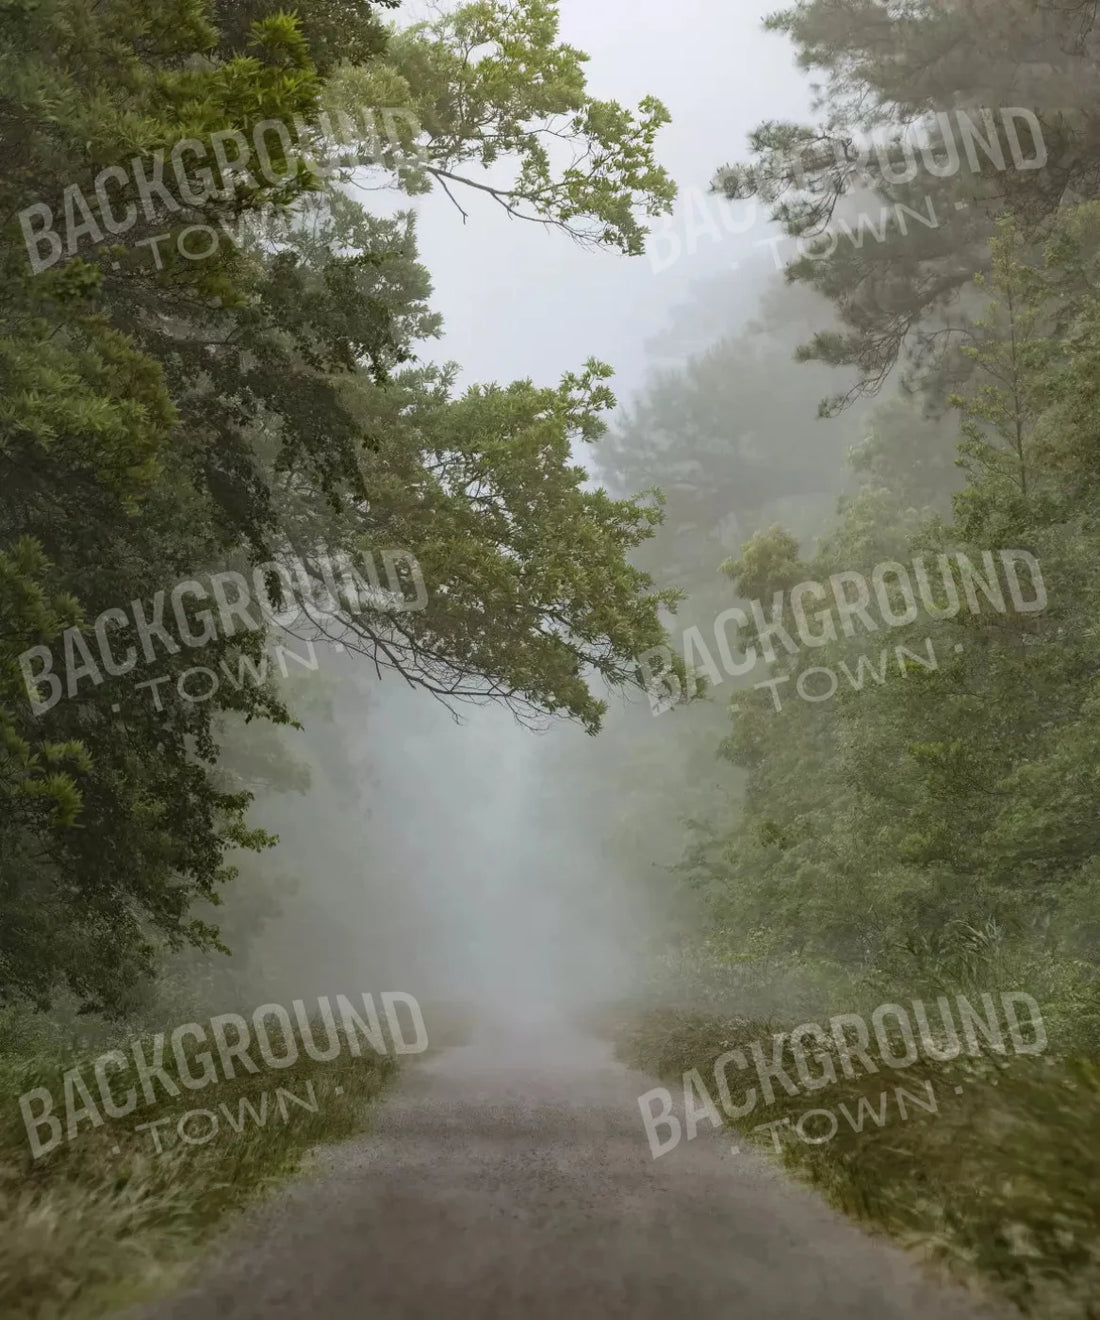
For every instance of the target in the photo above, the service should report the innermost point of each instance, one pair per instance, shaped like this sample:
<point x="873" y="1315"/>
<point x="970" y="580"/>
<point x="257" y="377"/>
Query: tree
<point x="922" y="823"/>
<point x="488" y="84"/>
<point x="911" y="74"/>
<point x="164" y="417"/>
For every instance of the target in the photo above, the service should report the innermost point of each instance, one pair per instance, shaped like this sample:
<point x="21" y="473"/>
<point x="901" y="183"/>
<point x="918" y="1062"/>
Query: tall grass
<point x="1001" y="1183"/>
<point x="103" y="1219"/>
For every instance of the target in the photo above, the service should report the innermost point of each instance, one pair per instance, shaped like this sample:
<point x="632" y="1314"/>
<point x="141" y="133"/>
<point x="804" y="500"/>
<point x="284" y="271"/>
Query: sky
<point x="521" y="301"/>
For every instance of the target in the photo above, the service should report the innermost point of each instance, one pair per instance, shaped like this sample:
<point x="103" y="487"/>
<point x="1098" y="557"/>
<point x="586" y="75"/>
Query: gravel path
<point x="512" y="1178"/>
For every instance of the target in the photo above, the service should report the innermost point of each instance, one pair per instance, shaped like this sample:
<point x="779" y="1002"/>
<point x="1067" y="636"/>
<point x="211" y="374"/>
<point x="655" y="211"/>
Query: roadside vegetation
<point x="994" y="1182"/>
<point x="103" y="1219"/>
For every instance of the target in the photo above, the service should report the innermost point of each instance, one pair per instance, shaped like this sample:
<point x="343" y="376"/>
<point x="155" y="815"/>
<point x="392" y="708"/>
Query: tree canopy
<point x="193" y="389"/>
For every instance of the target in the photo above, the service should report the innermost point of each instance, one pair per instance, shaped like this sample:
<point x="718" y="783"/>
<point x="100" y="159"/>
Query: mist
<point x="472" y="856"/>
<point x="714" y="376"/>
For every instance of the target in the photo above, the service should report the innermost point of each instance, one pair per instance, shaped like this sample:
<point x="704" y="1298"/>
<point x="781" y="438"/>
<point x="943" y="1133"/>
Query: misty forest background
<point x="723" y="869"/>
<point x="932" y="831"/>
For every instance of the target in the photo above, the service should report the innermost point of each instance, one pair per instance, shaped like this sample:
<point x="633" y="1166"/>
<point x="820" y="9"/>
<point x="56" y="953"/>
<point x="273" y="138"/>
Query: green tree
<point x="938" y="820"/>
<point x="905" y="71"/>
<point x="164" y="417"/>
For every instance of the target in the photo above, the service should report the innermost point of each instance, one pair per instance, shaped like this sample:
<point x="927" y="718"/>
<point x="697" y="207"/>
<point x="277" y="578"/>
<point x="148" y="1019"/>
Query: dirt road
<point x="512" y="1178"/>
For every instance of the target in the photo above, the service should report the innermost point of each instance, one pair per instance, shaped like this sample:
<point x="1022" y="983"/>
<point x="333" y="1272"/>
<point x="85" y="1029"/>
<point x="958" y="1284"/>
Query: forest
<point x="800" y="632"/>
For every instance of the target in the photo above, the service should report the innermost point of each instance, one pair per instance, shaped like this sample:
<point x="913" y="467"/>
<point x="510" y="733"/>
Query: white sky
<point x="521" y="301"/>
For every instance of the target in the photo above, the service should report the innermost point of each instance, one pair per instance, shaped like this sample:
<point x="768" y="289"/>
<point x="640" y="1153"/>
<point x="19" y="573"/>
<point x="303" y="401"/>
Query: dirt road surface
<point x="512" y="1178"/>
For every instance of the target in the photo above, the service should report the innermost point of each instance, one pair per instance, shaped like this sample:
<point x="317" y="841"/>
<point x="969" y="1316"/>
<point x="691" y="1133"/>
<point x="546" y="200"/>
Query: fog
<point x="461" y="854"/>
<point x="454" y="858"/>
<point x="742" y="713"/>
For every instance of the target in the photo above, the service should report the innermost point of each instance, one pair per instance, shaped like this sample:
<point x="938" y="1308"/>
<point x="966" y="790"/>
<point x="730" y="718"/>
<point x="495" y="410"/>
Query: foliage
<point x="104" y="1220"/>
<point x="997" y="1184"/>
<point x="164" y="418"/>
<point x="904" y="72"/>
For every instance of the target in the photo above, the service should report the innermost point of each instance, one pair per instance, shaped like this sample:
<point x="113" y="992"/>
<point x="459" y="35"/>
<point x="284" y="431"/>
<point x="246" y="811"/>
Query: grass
<point x="84" y="1229"/>
<point x="1001" y="1184"/>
